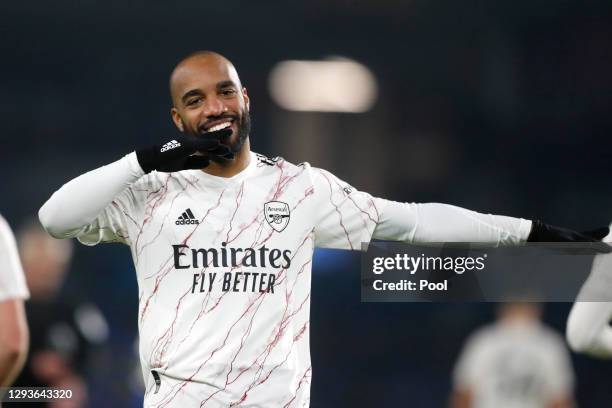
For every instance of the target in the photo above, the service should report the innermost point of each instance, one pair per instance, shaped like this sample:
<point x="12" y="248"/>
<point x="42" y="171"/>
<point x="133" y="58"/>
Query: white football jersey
<point x="12" y="280"/>
<point x="224" y="268"/>
<point x="515" y="366"/>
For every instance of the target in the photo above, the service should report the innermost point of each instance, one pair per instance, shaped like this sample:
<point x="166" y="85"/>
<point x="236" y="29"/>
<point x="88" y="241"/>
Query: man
<point x="13" y="324"/>
<point x="516" y="362"/>
<point x="222" y="241"/>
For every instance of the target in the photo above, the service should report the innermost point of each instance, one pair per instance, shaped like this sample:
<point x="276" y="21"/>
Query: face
<point x="208" y="96"/>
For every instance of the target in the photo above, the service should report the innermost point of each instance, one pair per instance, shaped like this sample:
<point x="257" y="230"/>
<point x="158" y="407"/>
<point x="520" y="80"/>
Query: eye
<point x="228" y="92"/>
<point x="194" y="101"/>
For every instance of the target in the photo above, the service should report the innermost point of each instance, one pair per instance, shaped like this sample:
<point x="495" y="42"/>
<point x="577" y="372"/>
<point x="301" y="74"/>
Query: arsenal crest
<point x="277" y="214"/>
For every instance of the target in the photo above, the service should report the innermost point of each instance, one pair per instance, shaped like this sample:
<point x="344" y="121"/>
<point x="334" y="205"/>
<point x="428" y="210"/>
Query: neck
<point x="231" y="167"/>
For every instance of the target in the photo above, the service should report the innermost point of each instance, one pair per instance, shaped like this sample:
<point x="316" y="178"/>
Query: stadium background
<point x="498" y="106"/>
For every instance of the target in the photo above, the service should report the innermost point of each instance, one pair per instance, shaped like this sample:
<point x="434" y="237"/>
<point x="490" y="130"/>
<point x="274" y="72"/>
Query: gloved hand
<point x="178" y="153"/>
<point x="541" y="232"/>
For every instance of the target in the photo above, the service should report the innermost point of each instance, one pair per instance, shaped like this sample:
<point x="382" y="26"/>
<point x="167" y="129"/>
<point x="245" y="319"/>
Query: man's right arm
<point x="77" y="203"/>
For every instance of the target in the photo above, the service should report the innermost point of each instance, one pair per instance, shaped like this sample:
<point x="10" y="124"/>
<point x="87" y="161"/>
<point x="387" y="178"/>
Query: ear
<point x="176" y="118"/>
<point x="245" y="96"/>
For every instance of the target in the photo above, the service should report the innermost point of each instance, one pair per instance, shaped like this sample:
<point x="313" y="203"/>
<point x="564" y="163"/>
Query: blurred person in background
<point x="64" y="331"/>
<point x="13" y="325"/>
<point x="222" y="241"/>
<point x="517" y="362"/>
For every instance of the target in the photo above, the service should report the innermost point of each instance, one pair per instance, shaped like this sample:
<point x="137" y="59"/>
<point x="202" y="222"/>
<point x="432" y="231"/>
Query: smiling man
<point x="222" y="241"/>
<point x="196" y="113"/>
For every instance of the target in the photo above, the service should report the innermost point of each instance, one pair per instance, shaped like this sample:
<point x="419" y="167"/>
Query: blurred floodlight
<point x="335" y="85"/>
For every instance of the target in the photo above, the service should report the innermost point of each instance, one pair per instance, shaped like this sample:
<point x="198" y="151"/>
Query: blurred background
<point x="498" y="106"/>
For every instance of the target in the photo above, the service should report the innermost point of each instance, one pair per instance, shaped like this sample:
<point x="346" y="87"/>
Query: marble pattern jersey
<point x="224" y="269"/>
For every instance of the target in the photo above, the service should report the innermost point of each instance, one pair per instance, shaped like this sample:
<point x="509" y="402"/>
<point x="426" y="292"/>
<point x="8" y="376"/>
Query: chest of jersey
<point x="248" y="213"/>
<point x="254" y="225"/>
<point x="224" y="273"/>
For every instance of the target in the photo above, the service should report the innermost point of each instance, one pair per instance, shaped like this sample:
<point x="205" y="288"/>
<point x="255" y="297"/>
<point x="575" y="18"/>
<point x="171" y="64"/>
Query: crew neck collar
<point x="236" y="178"/>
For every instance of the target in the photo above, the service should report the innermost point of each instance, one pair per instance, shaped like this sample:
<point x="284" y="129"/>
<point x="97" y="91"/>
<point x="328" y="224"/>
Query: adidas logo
<point x="186" y="218"/>
<point x="170" y="145"/>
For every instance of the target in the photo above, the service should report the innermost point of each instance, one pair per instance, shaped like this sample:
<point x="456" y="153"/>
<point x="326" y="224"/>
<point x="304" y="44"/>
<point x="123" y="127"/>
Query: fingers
<point x="222" y="134"/>
<point x="206" y="146"/>
<point x="228" y="156"/>
<point x="210" y="140"/>
<point x="598" y="234"/>
<point x="222" y="151"/>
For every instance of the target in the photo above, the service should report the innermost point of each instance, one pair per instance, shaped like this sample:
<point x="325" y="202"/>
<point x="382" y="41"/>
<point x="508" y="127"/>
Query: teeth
<point x="219" y="126"/>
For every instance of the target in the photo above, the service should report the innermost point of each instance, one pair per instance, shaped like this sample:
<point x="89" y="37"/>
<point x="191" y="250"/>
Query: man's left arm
<point x="348" y="217"/>
<point x="435" y="222"/>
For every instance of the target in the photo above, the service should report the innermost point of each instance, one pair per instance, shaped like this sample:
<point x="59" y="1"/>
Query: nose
<point x="214" y="107"/>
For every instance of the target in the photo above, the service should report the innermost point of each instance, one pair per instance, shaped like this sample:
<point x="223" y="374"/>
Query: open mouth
<point x="218" y="126"/>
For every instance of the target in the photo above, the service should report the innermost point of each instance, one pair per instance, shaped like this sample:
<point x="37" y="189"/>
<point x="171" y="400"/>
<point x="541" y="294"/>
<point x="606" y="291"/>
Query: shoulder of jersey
<point x="152" y="180"/>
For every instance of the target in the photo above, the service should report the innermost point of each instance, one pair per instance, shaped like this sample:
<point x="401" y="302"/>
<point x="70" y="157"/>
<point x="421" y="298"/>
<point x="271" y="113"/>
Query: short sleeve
<point x="116" y="221"/>
<point x="12" y="280"/>
<point x="345" y="217"/>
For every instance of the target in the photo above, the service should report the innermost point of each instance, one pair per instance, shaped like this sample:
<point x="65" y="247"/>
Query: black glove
<point x="541" y="232"/>
<point x="177" y="154"/>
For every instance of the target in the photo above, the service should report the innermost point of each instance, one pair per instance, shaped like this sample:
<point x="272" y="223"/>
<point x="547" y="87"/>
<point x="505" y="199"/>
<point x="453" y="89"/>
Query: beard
<point x="243" y="125"/>
<point x="233" y="142"/>
<point x="244" y="129"/>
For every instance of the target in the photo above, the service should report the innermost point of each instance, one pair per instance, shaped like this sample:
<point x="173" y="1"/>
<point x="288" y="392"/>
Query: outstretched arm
<point x="348" y="217"/>
<point x="433" y="222"/>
